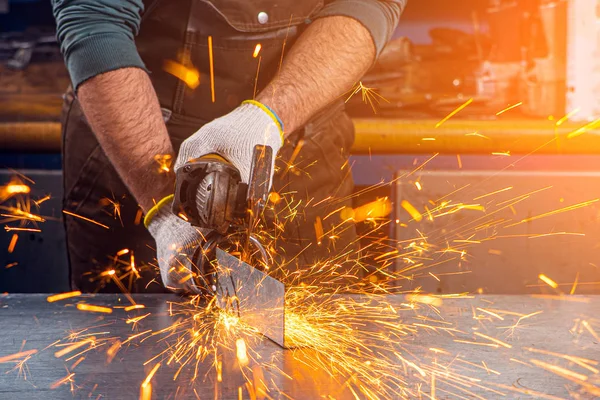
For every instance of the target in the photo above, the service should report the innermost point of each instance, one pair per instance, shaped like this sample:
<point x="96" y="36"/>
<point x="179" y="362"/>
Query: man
<point x="312" y="52"/>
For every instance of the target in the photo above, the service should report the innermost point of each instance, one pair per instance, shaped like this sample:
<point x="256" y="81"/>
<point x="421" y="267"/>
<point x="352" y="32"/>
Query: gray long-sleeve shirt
<point x="98" y="36"/>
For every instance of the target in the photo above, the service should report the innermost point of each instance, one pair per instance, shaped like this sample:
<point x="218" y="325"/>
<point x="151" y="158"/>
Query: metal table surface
<point x="551" y="353"/>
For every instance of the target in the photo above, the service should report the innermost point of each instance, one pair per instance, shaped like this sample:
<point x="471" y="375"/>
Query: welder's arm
<point x="123" y="111"/>
<point x="113" y="87"/>
<point x="330" y="57"/>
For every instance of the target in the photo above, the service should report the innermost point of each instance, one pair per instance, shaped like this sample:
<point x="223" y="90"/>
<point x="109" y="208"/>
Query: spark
<point x="63" y="296"/>
<point x="12" y="228"/>
<point x="74" y="346"/>
<point x="509" y="108"/>
<point x="560" y="210"/>
<point x="409" y="208"/>
<point x="85" y="219"/>
<point x="241" y="352"/>
<point x="17" y="356"/>
<point x="17" y="189"/>
<point x="13" y="243"/>
<point x="212" y="68"/>
<point x="164" y="162"/>
<point x="135" y="307"/>
<point x="257" y="50"/>
<point x="318" y="229"/>
<point x="418" y="185"/>
<point x="62" y="381"/>
<point x="501" y="153"/>
<point x="10" y="265"/>
<point x="497" y="341"/>
<point x="377" y="209"/>
<point x="453" y="113"/>
<point x="574" y="284"/>
<point x="493" y="193"/>
<point x="477" y="134"/>
<point x="578" y="132"/>
<point x="135" y="320"/>
<point x="548" y="281"/>
<point x="459" y="161"/>
<point x="92" y="308"/>
<point x="567" y="116"/>
<point x="369" y="95"/>
<point x="188" y="74"/>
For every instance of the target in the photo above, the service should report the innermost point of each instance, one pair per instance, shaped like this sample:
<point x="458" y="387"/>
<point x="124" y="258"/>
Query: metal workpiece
<point x="484" y="347"/>
<point x="257" y="298"/>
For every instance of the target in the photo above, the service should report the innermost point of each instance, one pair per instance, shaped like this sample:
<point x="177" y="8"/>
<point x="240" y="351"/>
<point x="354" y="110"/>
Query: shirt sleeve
<point x="380" y="17"/>
<point x="97" y="36"/>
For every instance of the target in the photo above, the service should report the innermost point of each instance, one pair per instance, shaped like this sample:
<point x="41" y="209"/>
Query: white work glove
<point x="233" y="137"/>
<point x="176" y="242"/>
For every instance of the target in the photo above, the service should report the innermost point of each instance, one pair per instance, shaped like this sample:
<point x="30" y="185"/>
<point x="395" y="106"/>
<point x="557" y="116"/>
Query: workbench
<point x="555" y="324"/>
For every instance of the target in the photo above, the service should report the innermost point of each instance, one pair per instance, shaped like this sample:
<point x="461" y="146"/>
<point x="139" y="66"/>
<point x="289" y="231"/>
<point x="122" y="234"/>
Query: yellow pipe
<point x="389" y="136"/>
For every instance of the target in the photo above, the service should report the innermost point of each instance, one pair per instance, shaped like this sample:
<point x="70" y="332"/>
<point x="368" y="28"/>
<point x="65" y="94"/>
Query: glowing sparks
<point x="377" y="209"/>
<point x="548" y="281"/>
<point x="369" y="95"/>
<point x="453" y="113"/>
<point x="212" y="68"/>
<point x="17" y="356"/>
<point x="509" y="108"/>
<point x="17" y="189"/>
<point x="63" y="296"/>
<point x="257" y="50"/>
<point x="135" y="307"/>
<point x="241" y="352"/>
<point x="92" y="308"/>
<point x="164" y="162"/>
<point x="13" y="243"/>
<point x="72" y="347"/>
<point x="151" y="374"/>
<point x="85" y="219"/>
<point x="409" y="208"/>
<point x="188" y="74"/>
<point x="578" y="132"/>
<point x="13" y="228"/>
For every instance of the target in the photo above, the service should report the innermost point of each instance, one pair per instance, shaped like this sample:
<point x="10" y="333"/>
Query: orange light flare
<point x="17" y="356"/>
<point x="374" y="210"/>
<point x="164" y="162"/>
<point x="188" y="74"/>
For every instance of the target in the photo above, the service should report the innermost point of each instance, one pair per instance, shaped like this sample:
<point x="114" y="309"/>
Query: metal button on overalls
<point x="263" y="17"/>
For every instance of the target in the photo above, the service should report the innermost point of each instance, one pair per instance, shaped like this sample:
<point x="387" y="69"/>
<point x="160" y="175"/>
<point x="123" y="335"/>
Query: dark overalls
<point x="179" y="30"/>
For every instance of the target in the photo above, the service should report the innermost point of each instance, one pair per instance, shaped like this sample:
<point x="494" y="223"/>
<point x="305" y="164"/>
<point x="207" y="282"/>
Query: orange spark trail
<point x="62" y="296"/>
<point x="12" y="228"/>
<point x="509" y="108"/>
<point x="85" y="219"/>
<point x="548" y="281"/>
<point x="409" y="208"/>
<point x="453" y="113"/>
<point x="135" y="307"/>
<point x="74" y="347"/>
<point x="17" y="356"/>
<point x="212" y="68"/>
<point x="92" y="308"/>
<point x="13" y="243"/>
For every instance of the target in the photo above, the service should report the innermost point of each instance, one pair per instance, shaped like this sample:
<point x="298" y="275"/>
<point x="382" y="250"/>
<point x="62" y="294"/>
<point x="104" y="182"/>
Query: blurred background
<point x="519" y="79"/>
